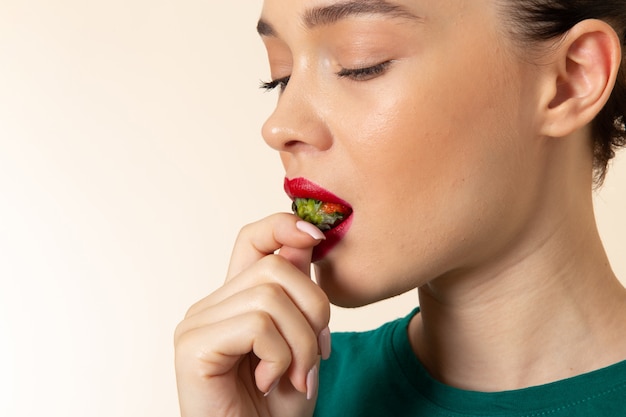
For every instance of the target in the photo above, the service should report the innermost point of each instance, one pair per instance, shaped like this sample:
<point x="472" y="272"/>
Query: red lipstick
<point x="303" y="188"/>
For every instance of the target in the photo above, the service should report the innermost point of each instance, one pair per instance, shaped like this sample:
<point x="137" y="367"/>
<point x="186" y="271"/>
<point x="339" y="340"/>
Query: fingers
<point x="273" y="269"/>
<point x="299" y="309"/>
<point x="267" y="324"/>
<point x="218" y="347"/>
<point x="215" y="370"/>
<point x="269" y="300"/>
<point x="300" y="258"/>
<point x="265" y="237"/>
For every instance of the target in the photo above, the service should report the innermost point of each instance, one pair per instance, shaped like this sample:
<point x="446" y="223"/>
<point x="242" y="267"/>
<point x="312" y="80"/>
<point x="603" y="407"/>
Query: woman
<point x="459" y="141"/>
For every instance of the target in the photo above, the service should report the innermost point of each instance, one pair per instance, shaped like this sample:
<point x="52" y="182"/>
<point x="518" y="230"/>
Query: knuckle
<point x="194" y="357"/>
<point x="192" y="311"/>
<point x="250" y="229"/>
<point x="245" y="230"/>
<point x="189" y="341"/>
<point x="321" y="310"/>
<point x="317" y="309"/>
<point x="260" y="322"/>
<point x="178" y="332"/>
<point x="272" y="262"/>
<point x="283" y="358"/>
<point x="184" y="345"/>
<point x="269" y="292"/>
<point x="308" y="350"/>
<point x="198" y="307"/>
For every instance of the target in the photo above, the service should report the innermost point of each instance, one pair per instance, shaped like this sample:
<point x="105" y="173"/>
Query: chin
<point x="342" y="291"/>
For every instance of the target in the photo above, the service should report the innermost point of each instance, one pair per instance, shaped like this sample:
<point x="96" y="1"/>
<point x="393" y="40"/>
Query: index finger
<point x="265" y="237"/>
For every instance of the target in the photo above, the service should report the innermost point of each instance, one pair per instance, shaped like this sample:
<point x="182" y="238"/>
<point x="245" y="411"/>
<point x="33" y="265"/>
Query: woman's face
<point x="420" y="116"/>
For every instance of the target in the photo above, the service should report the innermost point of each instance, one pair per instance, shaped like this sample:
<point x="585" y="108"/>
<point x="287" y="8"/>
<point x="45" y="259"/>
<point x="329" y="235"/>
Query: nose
<point x="298" y="121"/>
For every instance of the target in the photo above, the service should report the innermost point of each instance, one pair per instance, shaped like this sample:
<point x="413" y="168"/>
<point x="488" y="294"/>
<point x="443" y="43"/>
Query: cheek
<point x="435" y="164"/>
<point x="382" y="133"/>
<point x="426" y="121"/>
<point x="412" y="145"/>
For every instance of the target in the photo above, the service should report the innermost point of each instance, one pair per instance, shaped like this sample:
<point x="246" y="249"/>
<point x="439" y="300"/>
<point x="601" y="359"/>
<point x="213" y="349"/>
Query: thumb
<point x="301" y="257"/>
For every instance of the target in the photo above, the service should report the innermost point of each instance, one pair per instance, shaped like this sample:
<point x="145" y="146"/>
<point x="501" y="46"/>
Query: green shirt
<point x="375" y="373"/>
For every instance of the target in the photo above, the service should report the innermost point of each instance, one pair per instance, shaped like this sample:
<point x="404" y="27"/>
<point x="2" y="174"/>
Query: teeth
<point x="323" y="215"/>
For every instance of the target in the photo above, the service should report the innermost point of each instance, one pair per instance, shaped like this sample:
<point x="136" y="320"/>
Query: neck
<point x="550" y="312"/>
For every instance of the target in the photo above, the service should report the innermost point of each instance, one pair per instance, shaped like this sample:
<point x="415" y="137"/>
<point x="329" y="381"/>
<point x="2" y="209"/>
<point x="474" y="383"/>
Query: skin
<point x="482" y="156"/>
<point x="457" y="163"/>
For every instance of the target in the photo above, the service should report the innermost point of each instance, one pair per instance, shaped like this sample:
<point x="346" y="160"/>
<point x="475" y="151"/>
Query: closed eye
<point x="366" y="73"/>
<point x="356" y="74"/>
<point x="279" y="82"/>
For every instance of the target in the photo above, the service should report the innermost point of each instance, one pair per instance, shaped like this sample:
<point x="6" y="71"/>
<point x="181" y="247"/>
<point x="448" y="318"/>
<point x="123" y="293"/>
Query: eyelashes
<point x="365" y="73"/>
<point x="279" y="82"/>
<point x="354" y="74"/>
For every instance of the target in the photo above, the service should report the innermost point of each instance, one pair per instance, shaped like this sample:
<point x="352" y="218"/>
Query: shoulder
<point x="374" y="351"/>
<point x="367" y="342"/>
<point x="363" y="371"/>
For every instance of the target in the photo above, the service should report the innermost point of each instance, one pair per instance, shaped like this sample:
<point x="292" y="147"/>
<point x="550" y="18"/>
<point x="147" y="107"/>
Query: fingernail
<point x="310" y="230"/>
<point x="311" y="383"/>
<point x="324" y="343"/>
<point x="272" y="387"/>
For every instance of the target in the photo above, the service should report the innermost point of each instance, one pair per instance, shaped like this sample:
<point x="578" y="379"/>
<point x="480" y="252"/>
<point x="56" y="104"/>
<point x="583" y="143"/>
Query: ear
<point x="581" y="77"/>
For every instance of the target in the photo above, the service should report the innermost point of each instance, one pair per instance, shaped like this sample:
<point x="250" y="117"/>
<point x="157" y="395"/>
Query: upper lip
<point x="303" y="188"/>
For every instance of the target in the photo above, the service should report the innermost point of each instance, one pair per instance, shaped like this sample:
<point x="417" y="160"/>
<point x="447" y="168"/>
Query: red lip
<point x="303" y="188"/>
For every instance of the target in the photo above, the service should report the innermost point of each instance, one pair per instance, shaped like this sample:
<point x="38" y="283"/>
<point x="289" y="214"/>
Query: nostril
<point x="295" y="125"/>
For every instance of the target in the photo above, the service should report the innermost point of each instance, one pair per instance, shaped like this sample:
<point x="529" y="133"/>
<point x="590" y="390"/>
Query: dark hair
<point x="543" y="20"/>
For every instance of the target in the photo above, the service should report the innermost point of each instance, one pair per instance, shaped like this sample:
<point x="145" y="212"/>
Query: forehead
<point x="311" y="14"/>
<point x="315" y="11"/>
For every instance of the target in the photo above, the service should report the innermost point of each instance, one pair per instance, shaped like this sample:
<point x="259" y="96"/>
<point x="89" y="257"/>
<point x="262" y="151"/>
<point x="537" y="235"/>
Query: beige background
<point x="130" y="155"/>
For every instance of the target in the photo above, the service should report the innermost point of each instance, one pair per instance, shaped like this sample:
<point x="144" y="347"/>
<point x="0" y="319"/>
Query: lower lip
<point x="300" y="187"/>
<point x="333" y="237"/>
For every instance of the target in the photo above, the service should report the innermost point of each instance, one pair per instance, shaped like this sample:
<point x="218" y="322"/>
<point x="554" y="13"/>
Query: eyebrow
<point x="328" y="15"/>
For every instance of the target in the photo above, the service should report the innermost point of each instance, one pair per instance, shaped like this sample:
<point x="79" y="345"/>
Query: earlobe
<point x="582" y="77"/>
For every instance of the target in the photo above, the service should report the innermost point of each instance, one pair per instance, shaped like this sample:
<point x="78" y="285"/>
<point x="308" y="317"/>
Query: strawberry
<point x="322" y="214"/>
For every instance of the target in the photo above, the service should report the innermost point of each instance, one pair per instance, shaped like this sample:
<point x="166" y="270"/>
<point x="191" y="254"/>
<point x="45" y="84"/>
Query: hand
<point x="262" y="331"/>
